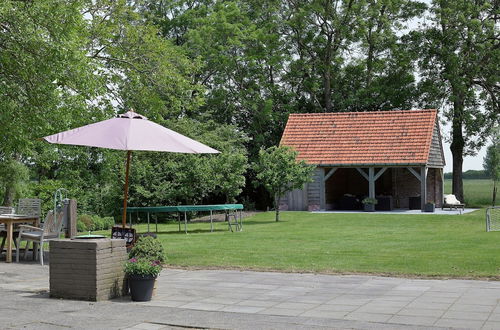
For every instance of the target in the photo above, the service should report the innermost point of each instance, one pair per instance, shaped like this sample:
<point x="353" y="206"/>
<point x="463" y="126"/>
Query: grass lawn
<point x="429" y="245"/>
<point x="477" y="193"/>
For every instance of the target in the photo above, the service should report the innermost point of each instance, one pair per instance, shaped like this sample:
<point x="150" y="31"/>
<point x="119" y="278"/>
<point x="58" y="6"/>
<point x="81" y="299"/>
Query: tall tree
<point x="460" y="53"/>
<point x="47" y="79"/>
<point x="491" y="163"/>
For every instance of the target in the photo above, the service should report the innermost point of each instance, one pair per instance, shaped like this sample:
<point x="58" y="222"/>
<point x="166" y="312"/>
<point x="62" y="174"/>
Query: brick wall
<point x="87" y="269"/>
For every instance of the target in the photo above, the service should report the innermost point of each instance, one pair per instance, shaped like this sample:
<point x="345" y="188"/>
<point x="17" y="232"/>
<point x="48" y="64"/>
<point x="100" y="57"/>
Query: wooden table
<point x="9" y="220"/>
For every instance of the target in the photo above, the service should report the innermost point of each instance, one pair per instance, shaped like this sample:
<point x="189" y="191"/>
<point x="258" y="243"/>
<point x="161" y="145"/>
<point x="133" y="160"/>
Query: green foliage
<point x="86" y="222"/>
<point x="491" y="163"/>
<point x="170" y="178"/>
<point x="279" y="171"/>
<point x="45" y="191"/>
<point x="142" y="267"/>
<point x="459" y="56"/>
<point x="368" y="200"/>
<point x="81" y="226"/>
<point x="469" y="175"/>
<point x="148" y="248"/>
<point x="13" y="177"/>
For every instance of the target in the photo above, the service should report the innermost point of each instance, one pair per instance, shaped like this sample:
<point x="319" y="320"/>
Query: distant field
<point x="477" y="192"/>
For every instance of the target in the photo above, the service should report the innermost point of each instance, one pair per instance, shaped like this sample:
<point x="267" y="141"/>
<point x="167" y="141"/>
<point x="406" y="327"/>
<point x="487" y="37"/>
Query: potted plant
<point x="429" y="207"/>
<point x="369" y="204"/>
<point x="147" y="252"/>
<point x="141" y="275"/>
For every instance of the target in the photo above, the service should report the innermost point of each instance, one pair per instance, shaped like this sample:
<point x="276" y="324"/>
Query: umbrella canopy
<point x="130" y="131"/>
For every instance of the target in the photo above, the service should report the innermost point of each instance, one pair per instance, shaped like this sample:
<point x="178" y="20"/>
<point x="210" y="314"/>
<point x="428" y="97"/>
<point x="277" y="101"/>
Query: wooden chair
<point x="3" y="229"/>
<point x="51" y="229"/>
<point x="26" y="206"/>
<point x="29" y="206"/>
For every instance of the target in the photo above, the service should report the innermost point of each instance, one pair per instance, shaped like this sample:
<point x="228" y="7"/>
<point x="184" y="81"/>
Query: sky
<point x="470" y="162"/>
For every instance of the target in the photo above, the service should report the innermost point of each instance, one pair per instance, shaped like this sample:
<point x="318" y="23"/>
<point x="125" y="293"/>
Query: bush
<point x="142" y="267"/>
<point x="109" y="222"/>
<point x="80" y="226"/>
<point x="88" y="222"/>
<point x="148" y="248"/>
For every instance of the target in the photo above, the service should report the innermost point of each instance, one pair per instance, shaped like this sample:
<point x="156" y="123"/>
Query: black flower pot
<point x="429" y="207"/>
<point x="141" y="287"/>
<point x="369" y="207"/>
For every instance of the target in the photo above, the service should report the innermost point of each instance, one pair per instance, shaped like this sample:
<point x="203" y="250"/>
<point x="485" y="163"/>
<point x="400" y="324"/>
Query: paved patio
<point x="226" y="299"/>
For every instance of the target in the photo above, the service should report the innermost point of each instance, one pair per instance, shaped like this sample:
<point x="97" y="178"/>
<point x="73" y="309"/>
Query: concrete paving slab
<point x="262" y="300"/>
<point x="460" y="324"/>
<point x="417" y="320"/>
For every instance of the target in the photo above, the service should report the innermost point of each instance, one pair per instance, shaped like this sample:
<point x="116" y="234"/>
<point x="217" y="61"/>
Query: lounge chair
<point x="451" y="202"/>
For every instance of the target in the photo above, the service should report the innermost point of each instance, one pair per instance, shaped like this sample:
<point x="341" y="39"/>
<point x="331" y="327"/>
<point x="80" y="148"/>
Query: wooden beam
<point x="371" y="182"/>
<point x="415" y="173"/>
<point x="379" y="173"/>
<point x="442" y="186"/>
<point x="423" y="187"/>
<point x="330" y="173"/>
<point x="363" y="173"/>
<point x="322" y="190"/>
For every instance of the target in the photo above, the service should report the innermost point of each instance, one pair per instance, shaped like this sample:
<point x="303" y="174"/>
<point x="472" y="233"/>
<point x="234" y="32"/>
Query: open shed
<point x="394" y="156"/>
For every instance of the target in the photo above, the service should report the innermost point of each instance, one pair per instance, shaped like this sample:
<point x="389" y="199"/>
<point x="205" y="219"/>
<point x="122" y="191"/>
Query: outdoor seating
<point x="51" y="229"/>
<point x="29" y="206"/>
<point x="451" y="202"/>
<point x="25" y="206"/>
<point x="3" y="230"/>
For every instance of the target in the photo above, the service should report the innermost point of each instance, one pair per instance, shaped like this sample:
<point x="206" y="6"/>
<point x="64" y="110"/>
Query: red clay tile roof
<point x="361" y="138"/>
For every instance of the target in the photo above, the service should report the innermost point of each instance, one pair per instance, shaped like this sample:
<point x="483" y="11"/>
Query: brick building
<point x="394" y="156"/>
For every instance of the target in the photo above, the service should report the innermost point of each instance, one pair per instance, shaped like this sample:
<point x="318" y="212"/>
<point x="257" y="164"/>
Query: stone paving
<point x="443" y="303"/>
<point x="226" y="299"/>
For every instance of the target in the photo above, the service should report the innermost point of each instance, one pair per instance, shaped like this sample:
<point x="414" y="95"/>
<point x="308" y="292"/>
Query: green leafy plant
<point x="371" y="201"/>
<point x="279" y="171"/>
<point x="142" y="267"/>
<point x="148" y="248"/>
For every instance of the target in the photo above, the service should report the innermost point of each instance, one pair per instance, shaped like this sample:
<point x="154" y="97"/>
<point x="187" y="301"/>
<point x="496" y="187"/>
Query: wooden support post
<point x="72" y="218"/>
<point x="442" y="186"/>
<point x="362" y="172"/>
<point x="329" y="174"/>
<point x="379" y="173"/>
<point x="322" y="190"/>
<point x="418" y="176"/>
<point x="423" y="187"/>
<point x="371" y="182"/>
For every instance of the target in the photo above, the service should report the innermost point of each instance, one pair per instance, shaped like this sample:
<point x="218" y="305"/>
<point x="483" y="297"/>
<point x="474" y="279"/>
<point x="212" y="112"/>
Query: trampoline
<point x="232" y="214"/>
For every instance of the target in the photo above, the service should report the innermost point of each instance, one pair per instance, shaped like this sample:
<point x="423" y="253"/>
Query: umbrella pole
<point x="125" y="197"/>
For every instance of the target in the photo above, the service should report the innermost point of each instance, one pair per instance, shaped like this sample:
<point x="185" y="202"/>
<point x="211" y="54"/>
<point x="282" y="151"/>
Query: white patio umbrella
<point x="130" y="131"/>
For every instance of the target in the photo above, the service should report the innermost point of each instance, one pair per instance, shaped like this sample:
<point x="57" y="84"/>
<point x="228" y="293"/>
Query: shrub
<point x="148" y="248"/>
<point x="108" y="222"/>
<point x="142" y="267"/>
<point x="80" y="226"/>
<point x="86" y="220"/>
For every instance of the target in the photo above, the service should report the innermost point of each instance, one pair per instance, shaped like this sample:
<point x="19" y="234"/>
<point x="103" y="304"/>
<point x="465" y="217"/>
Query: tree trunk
<point x="277" y="207"/>
<point x="10" y="185"/>
<point x="327" y="89"/>
<point x="494" y="193"/>
<point x="457" y="148"/>
<point x="8" y="198"/>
